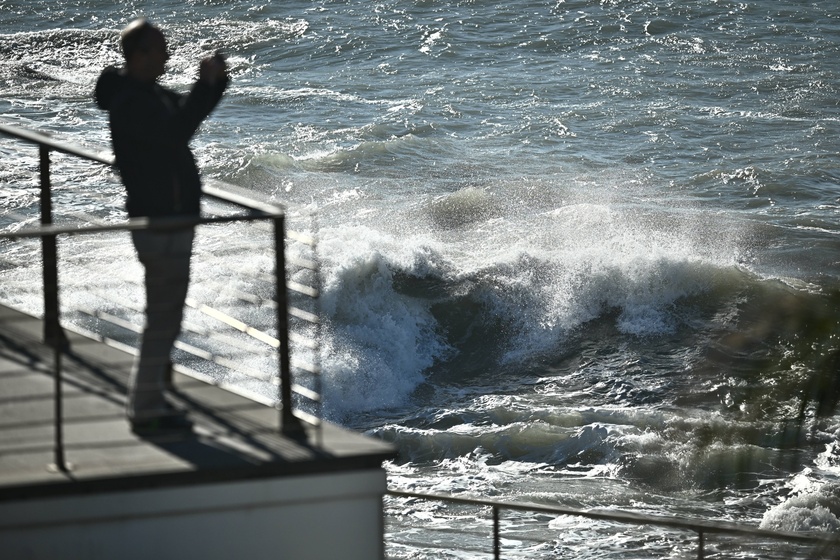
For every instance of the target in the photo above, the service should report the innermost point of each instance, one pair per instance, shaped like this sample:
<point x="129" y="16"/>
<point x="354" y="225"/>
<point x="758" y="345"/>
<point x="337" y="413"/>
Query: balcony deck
<point x="234" y="439"/>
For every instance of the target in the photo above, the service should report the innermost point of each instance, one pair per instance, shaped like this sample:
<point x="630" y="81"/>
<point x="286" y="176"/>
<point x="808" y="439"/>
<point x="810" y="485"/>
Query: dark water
<point x="579" y="253"/>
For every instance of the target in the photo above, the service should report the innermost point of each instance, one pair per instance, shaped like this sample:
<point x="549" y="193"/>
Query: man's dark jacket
<point x="151" y="128"/>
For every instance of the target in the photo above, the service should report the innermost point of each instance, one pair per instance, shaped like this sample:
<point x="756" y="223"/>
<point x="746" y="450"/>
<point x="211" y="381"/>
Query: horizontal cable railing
<point x="239" y="330"/>
<point x="458" y="541"/>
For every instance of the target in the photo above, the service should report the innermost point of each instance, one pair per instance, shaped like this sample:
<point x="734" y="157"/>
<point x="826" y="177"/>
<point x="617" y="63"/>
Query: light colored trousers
<point x="166" y="258"/>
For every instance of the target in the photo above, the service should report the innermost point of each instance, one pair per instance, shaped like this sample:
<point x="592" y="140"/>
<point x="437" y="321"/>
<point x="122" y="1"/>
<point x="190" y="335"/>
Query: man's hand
<point x="212" y="69"/>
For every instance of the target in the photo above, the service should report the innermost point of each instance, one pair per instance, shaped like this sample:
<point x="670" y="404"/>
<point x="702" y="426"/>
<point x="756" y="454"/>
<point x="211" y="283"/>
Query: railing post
<point x="290" y="425"/>
<point x="497" y="548"/>
<point x="53" y="335"/>
<point x="702" y="537"/>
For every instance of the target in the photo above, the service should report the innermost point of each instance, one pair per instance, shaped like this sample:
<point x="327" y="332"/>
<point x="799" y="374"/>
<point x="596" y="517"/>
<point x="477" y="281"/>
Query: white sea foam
<point x="814" y="510"/>
<point x="377" y="343"/>
<point x="814" y="500"/>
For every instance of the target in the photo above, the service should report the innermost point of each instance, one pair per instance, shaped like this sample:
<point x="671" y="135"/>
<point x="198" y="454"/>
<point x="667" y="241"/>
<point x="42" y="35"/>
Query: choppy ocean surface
<point x="574" y="252"/>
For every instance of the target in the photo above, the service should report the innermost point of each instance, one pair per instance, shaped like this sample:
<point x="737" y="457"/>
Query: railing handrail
<point x="105" y="158"/>
<point x="44" y="139"/>
<point x="132" y="224"/>
<point x="625" y="517"/>
<point x="699" y="526"/>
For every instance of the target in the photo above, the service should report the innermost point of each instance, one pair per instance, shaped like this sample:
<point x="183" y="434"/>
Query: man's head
<point x="144" y="49"/>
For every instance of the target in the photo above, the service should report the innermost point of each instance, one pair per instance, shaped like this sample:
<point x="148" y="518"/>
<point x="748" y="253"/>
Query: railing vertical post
<point x="53" y="336"/>
<point x="52" y="329"/>
<point x="290" y="425"/>
<point x="702" y="537"/>
<point x="497" y="548"/>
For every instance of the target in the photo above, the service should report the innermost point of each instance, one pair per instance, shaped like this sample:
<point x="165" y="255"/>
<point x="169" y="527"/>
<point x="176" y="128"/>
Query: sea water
<point x="580" y="253"/>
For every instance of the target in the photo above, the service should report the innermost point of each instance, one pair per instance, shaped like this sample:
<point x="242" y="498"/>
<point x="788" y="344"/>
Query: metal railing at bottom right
<point x="464" y="541"/>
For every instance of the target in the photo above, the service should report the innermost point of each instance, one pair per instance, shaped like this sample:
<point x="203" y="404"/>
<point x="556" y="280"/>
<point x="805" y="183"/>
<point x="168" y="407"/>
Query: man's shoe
<point x="162" y="426"/>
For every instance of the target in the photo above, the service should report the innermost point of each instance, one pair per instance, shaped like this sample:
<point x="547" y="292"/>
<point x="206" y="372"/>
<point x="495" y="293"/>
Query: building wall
<point x="334" y="515"/>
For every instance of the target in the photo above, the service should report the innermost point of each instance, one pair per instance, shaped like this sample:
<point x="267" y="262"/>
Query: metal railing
<point x="702" y="528"/>
<point x="290" y="393"/>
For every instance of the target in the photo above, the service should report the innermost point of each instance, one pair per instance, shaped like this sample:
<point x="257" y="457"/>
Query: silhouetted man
<point x="151" y="127"/>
